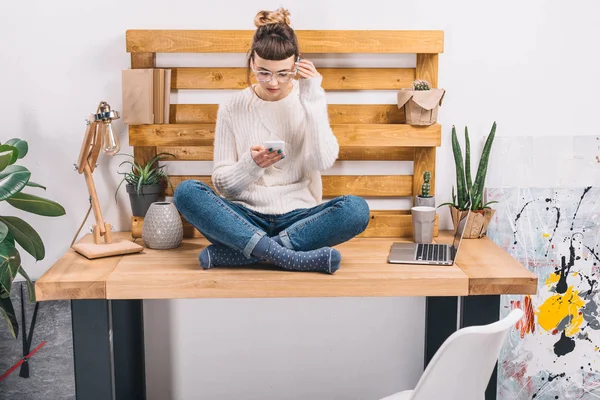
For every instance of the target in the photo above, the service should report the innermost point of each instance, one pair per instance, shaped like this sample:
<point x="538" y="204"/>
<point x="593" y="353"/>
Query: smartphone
<point x="275" y="145"/>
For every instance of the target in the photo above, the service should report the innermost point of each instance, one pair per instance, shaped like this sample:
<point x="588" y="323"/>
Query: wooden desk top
<point x="482" y="268"/>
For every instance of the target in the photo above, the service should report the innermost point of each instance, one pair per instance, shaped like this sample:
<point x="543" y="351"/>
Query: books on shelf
<point x="146" y="96"/>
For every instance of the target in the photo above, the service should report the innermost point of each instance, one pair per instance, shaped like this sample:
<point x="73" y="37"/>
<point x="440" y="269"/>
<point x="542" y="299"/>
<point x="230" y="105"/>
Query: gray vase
<point x="162" y="227"/>
<point x="425" y="201"/>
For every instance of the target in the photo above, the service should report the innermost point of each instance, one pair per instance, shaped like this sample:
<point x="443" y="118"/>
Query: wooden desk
<point x="107" y="295"/>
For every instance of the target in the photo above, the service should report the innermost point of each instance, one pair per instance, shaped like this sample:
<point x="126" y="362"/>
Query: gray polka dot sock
<point x="223" y="256"/>
<point x="277" y="240"/>
<point x="324" y="259"/>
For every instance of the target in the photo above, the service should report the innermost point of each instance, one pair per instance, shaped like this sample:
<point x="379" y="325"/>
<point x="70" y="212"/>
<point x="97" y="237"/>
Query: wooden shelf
<point x="348" y="135"/>
<point x="482" y="268"/>
<point x="310" y="41"/>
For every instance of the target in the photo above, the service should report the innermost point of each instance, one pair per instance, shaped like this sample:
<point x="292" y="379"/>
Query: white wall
<point x="509" y="61"/>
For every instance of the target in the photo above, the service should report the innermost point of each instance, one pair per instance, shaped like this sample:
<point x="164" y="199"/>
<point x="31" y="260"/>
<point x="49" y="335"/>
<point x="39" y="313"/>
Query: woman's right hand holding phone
<point x="266" y="157"/>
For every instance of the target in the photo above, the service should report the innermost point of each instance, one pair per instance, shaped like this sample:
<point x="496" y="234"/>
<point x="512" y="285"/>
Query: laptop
<point x="437" y="254"/>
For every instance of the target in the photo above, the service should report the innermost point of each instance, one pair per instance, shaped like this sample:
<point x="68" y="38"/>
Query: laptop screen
<point x="462" y="223"/>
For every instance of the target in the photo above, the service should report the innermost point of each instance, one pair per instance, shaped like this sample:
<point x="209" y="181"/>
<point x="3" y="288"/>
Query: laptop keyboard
<point x="432" y="252"/>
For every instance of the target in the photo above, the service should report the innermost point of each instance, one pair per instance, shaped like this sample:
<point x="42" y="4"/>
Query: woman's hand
<point x="306" y="69"/>
<point x="265" y="157"/>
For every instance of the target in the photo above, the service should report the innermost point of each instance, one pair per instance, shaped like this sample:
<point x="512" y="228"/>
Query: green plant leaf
<point x="36" y="205"/>
<point x="482" y="170"/>
<point x="5" y="159"/>
<point x="26" y="236"/>
<point x="21" y="145"/>
<point x="8" y="312"/>
<point x="460" y="172"/>
<point x="10" y="261"/>
<point x="14" y="152"/>
<point x="3" y="231"/>
<point x="12" y="180"/>
<point x="30" y="287"/>
<point x="468" y="161"/>
<point x="37" y="185"/>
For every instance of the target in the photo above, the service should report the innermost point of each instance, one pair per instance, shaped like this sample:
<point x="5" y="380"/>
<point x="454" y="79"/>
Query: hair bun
<point x="281" y="16"/>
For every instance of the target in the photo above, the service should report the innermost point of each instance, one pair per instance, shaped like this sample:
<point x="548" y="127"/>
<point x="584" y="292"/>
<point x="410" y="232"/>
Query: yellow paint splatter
<point x="558" y="307"/>
<point x="546" y="235"/>
<point x="553" y="278"/>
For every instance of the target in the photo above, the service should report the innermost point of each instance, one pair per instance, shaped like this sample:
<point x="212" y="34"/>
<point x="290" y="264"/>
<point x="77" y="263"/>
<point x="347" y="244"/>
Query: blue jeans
<point x="223" y="222"/>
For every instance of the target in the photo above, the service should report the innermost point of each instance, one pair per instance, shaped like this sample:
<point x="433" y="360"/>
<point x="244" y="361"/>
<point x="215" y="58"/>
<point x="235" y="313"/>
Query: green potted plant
<point x="420" y="103"/>
<point x="144" y="182"/>
<point x="425" y="199"/>
<point x="469" y="195"/>
<point x="13" y="230"/>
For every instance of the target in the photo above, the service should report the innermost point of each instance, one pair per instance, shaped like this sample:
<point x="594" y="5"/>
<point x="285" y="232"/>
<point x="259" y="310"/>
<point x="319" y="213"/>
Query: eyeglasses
<point x="267" y="76"/>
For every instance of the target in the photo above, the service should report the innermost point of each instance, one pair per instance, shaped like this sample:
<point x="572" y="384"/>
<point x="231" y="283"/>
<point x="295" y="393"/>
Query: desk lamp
<point x="99" y="135"/>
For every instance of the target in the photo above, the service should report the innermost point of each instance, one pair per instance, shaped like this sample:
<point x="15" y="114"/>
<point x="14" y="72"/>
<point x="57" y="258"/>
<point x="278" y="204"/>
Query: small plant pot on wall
<point x="140" y="202"/>
<point x="420" y="103"/>
<point x="477" y="223"/>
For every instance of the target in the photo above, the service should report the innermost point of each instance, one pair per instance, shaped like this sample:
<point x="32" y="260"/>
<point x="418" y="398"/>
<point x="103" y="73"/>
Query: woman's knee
<point x="188" y="192"/>
<point x="358" y="212"/>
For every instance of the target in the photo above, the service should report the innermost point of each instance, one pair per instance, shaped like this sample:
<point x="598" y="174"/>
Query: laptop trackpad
<point x="402" y="252"/>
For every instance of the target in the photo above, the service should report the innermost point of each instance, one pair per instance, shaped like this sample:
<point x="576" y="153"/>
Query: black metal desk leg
<point x="108" y="348"/>
<point x="440" y="322"/>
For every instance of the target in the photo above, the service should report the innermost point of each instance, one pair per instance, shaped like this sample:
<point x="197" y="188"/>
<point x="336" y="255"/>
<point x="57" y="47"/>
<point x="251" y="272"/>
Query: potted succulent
<point x="144" y="183"/>
<point x="14" y="231"/>
<point x="469" y="195"/>
<point x="420" y="103"/>
<point x="425" y="199"/>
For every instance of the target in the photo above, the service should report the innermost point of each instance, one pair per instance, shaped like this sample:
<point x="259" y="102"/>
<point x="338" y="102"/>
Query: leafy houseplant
<point x="421" y="103"/>
<point x="425" y="199"/>
<point x="144" y="182"/>
<point x="469" y="194"/>
<point x="13" y="230"/>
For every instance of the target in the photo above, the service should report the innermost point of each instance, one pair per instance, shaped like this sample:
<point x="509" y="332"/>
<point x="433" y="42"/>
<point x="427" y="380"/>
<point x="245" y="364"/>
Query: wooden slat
<point x="392" y="223"/>
<point x="337" y="185"/>
<point x="143" y="154"/>
<point x="350" y="135"/>
<point x="143" y="60"/>
<point x="205" y="153"/>
<point x="310" y="41"/>
<point x="427" y="68"/>
<point x="333" y="78"/>
<point x="338" y="114"/>
<point x="424" y="161"/>
<point x="367" y="185"/>
<point x="491" y="270"/>
<point x="383" y="223"/>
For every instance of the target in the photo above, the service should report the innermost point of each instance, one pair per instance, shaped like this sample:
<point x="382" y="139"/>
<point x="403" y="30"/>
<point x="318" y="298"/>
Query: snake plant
<point x="468" y="191"/>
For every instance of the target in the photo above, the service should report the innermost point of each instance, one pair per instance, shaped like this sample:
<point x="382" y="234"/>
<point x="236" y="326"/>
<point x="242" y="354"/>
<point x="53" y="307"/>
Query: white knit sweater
<point x="301" y="120"/>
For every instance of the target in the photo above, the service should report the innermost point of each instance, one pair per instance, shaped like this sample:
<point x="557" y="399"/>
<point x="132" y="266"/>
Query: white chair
<point x="462" y="366"/>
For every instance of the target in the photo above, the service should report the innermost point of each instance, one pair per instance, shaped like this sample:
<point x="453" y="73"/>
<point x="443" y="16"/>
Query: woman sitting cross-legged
<point x="267" y="207"/>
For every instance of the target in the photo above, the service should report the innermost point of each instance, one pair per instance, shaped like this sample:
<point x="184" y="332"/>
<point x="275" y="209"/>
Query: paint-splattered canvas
<point x="554" y="352"/>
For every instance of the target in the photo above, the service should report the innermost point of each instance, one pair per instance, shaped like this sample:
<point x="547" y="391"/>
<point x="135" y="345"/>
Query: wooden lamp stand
<point x="99" y="130"/>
